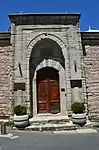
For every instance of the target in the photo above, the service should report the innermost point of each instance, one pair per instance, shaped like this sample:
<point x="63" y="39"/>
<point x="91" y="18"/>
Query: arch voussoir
<point x="49" y="36"/>
<point x="49" y="63"/>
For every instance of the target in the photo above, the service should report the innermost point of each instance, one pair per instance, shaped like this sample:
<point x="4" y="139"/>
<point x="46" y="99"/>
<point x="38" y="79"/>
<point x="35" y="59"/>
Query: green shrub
<point x="20" y="110"/>
<point x="78" y="107"/>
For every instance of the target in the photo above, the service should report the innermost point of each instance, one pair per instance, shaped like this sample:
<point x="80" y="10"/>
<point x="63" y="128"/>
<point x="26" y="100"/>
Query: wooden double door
<point x="48" y="96"/>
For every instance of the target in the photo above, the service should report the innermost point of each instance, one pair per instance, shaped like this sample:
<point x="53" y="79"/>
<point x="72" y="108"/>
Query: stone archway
<point x="62" y="84"/>
<point x="65" y="86"/>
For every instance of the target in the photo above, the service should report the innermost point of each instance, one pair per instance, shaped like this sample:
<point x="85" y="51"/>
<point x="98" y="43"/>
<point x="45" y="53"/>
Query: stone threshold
<point x="48" y="119"/>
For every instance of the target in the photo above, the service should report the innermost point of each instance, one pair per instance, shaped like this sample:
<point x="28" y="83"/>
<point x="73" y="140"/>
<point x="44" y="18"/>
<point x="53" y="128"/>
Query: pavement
<point x="12" y="133"/>
<point x="47" y="140"/>
<point x="81" y="139"/>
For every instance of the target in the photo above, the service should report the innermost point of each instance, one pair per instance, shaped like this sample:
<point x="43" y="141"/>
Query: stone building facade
<point x="47" y="64"/>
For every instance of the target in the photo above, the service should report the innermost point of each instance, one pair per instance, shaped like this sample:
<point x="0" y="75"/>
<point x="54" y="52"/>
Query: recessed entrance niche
<point x="48" y="92"/>
<point x="45" y="54"/>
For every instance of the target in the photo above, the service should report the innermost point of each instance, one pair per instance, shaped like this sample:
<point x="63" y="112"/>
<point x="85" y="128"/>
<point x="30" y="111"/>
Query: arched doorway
<point x="48" y="92"/>
<point x="46" y="53"/>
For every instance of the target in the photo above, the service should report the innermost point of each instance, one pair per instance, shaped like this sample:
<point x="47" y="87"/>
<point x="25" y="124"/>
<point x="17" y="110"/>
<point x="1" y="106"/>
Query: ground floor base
<point x="56" y="123"/>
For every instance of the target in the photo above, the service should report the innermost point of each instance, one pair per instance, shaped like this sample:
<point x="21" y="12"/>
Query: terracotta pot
<point x="79" y="119"/>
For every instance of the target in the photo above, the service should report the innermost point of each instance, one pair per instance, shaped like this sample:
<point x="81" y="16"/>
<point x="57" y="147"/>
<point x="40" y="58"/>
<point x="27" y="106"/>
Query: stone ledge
<point x="76" y="131"/>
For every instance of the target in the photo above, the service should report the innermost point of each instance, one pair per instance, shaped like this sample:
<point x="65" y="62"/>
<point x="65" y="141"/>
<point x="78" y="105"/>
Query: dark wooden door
<point x="48" y="96"/>
<point x="43" y="97"/>
<point x="54" y="96"/>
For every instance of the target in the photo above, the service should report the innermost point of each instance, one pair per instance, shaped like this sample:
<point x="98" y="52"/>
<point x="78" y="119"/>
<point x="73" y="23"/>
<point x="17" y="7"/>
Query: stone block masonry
<point x="5" y="75"/>
<point x="91" y="61"/>
<point x="21" y="61"/>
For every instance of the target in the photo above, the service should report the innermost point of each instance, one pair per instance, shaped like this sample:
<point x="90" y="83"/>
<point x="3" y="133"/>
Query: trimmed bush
<point x="20" y="110"/>
<point x="78" y="107"/>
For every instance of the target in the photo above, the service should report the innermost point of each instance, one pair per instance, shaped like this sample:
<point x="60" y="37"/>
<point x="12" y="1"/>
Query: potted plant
<point x="20" y="118"/>
<point x="78" y="115"/>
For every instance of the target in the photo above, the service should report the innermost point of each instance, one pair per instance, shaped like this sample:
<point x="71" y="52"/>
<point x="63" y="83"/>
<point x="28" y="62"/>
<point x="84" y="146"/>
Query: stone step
<point x="51" y="127"/>
<point x="56" y="127"/>
<point x="42" y="120"/>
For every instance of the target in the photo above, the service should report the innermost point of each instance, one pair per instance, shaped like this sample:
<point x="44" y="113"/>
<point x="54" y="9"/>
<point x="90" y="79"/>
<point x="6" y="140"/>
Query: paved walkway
<point x="10" y="133"/>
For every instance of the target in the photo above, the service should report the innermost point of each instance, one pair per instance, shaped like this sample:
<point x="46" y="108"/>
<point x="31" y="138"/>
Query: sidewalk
<point x="9" y="132"/>
<point x="88" y="128"/>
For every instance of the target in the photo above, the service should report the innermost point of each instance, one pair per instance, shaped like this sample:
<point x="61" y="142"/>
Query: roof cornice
<point x="44" y="19"/>
<point x="5" y="38"/>
<point x="90" y="38"/>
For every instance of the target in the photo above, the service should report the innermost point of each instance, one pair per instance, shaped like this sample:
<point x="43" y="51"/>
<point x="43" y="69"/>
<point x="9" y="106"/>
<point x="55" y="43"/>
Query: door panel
<point x="43" y="97"/>
<point x="48" y="96"/>
<point x="55" y="97"/>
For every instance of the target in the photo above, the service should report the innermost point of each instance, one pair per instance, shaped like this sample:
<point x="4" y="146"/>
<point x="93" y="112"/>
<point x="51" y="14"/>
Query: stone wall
<point x="91" y="61"/>
<point x="66" y="36"/>
<point x="5" y="80"/>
